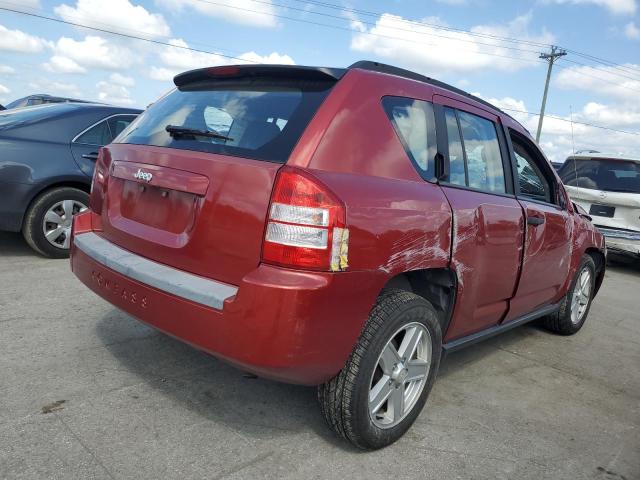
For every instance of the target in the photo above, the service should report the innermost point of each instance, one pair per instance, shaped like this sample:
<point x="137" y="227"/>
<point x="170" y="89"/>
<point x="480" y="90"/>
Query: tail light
<point x="306" y="226"/>
<point x="100" y="174"/>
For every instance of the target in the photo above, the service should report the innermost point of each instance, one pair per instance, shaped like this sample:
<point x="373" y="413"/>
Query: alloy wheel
<point x="581" y="296"/>
<point x="400" y="375"/>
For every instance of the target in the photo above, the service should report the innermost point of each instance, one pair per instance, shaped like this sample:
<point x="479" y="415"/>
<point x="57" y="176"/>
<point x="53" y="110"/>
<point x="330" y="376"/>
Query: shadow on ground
<point x="13" y="244"/>
<point x="254" y="407"/>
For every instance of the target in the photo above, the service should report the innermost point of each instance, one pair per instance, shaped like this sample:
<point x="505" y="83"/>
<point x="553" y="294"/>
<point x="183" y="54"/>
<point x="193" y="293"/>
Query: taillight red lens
<point x="306" y="225"/>
<point x="100" y="174"/>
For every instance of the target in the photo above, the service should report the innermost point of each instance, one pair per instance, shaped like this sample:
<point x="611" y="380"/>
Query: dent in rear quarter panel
<point x="585" y="236"/>
<point x="397" y="221"/>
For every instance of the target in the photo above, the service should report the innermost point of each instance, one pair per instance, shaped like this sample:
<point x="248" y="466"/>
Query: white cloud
<point x="120" y="15"/>
<point x="18" y="41"/>
<point x="55" y="88"/>
<point x="92" y="52"/>
<point x="245" y="12"/>
<point x="618" y="7"/>
<point x="631" y="31"/>
<point x="123" y="80"/>
<point x="58" y="64"/>
<point x="3" y="89"/>
<point x="433" y="51"/>
<point x="6" y="70"/>
<point x="610" y="81"/>
<point x="176" y="60"/>
<point x="556" y="138"/>
<point x="109" y="92"/>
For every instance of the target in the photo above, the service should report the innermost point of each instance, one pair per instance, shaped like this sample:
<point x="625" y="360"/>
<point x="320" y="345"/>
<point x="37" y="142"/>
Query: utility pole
<point x="556" y="52"/>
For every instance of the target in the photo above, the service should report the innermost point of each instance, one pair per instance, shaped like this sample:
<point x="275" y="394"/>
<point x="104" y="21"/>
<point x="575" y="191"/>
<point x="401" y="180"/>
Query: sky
<point x="489" y="48"/>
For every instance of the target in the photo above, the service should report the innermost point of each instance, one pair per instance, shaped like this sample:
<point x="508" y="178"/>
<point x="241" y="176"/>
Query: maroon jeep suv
<point x="335" y="227"/>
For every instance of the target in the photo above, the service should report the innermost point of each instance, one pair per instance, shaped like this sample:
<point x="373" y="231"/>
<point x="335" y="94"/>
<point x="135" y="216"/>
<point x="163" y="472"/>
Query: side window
<point x="414" y="122"/>
<point x="97" y="135"/>
<point x="532" y="181"/>
<point x="475" y="159"/>
<point x="457" y="174"/>
<point x="481" y="146"/>
<point x="118" y="123"/>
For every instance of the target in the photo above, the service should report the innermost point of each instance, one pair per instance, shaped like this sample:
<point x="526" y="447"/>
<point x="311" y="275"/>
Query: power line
<point x="348" y="29"/>
<point x="336" y="27"/>
<point x="556" y="117"/>
<point x="416" y="22"/>
<point x="120" y="28"/>
<point x="494" y="45"/>
<point x="468" y="32"/>
<point x="158" y="42"/>
<point x="126" y="35"/>
<point x="583" y="74"/>
<point x="599" y="69"/>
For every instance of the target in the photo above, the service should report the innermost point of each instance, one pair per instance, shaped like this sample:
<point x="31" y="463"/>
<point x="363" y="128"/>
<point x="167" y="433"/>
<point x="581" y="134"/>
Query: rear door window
<point x="99" y="134"/>
<point x="457" y="167"/>
<point x="475" y="160"/>
<point x="414" y="123"/>
<point x="118" y="123"/>
<point x="254" y="118"/>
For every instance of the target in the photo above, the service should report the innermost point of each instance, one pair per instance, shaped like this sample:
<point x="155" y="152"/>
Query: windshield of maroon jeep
<point x="262" y="119"/>
<point x="602" y="174"/>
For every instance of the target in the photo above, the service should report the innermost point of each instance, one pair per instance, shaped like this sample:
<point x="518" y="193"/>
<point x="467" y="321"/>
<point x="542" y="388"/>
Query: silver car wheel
<point x="400" y="375"/>
<point x="581" y="296"/>
<point x="57" y="221"/>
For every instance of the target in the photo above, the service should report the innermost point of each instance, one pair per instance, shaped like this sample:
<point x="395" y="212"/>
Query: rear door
<point x="86" y="144"/>
<point x="547" y="252"/>
<point x="487" y="218"/>
<point x="190" y="180"/>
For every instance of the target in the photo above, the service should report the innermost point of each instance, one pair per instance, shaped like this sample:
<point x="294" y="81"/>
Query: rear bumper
<point x="623" y="241"/>
<point x="293" y="326"/>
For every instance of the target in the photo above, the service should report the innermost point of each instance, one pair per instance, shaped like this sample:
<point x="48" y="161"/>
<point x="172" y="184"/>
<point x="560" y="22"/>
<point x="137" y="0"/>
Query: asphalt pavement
<point x="88" y="392"/>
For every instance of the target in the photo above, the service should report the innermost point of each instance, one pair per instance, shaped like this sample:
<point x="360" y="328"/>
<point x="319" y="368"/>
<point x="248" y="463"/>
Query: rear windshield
<point x="261" y="119"/>
<point x="602" y="174"/>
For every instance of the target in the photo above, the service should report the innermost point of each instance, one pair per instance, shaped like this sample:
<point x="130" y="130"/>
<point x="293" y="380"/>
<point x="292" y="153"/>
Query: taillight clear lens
<point x="297" y="235"/>
<point x="302" y="215"/>
<point x="306" y="224"/>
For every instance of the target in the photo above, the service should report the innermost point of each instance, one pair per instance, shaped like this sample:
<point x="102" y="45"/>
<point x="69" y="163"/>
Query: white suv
<point x="608" y="188"/>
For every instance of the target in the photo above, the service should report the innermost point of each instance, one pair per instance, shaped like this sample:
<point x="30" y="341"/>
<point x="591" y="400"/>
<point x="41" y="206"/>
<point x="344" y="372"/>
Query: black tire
<point x="561" y="321"/>
<point x="32" y="227"/>
<point x="344" y="400"/>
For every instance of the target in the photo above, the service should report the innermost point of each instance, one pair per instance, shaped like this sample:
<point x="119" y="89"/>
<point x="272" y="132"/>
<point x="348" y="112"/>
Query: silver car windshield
<point x="611" y="175"/>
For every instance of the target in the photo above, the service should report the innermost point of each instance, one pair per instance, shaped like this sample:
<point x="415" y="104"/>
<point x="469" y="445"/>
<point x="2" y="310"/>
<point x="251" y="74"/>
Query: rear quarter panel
<point x="27" y="167"/>
<point x="397" y="221"/>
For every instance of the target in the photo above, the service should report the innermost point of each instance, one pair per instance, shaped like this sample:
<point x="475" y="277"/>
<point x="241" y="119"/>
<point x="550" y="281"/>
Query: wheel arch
<point x="436" y="285"/>
<point x="600" y="261"/>
<point x="73" y="182"/>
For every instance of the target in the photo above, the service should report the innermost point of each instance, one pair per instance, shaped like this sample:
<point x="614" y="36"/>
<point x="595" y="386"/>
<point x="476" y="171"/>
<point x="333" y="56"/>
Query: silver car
<point x="608" y="188"/>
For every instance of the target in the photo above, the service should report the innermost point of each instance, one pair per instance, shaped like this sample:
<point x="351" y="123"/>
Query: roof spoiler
<point x="273" y="71"/>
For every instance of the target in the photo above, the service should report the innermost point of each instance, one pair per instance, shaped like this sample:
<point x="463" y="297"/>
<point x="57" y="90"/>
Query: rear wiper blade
<point x="178" y="132"/>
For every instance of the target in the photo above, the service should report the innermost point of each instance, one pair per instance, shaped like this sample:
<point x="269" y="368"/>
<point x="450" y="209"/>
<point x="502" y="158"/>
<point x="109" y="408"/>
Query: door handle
<point x="535" y="221"/>
<point x="90" y="156"/>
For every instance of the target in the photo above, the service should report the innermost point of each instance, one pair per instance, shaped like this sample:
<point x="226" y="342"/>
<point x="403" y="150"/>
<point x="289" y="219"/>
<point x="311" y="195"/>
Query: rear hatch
<point x="188" y="183"/>
<point x="608" y="189"/>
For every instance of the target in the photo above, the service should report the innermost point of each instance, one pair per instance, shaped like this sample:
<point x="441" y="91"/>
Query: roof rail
<point x="401" y="72"/>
